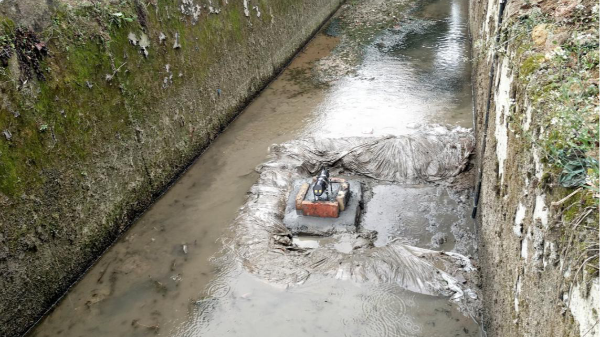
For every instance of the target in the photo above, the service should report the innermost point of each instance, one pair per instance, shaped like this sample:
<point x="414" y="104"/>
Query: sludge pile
<point x="265" y="247"/>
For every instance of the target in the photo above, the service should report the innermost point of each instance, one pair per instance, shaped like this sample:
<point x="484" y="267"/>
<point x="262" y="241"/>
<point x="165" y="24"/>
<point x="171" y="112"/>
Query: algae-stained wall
<point x="538" y="208"/>
<point x="102" y="104"/>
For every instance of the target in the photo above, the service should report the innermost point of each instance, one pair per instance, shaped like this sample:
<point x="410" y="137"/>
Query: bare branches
<point x="557" y="203"/>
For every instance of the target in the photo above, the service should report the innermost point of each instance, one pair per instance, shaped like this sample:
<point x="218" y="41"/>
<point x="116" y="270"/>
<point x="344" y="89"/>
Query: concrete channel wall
<point x="538" y="229"/>
<point x="103" y="105"/>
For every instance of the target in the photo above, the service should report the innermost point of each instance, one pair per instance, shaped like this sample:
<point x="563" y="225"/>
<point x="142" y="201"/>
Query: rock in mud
<point x="438" y="239"/>
<point x="98" y="295"/>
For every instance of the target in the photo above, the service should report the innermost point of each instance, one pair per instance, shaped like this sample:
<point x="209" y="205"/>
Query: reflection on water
<point x="325" y="307"/>
<point x="157" y="279"/>
<point x="414" y="75"/>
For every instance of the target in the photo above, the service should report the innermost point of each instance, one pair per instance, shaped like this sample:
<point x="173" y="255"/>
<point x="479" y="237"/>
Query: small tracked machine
<point x="325" y="196"/>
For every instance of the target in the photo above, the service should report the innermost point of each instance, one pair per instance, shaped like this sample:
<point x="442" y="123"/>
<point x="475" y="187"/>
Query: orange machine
<point x="320" y="201"/>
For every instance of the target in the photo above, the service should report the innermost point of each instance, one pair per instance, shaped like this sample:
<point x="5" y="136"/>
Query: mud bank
<point x="536" y="108"/>
<point x="102" y="106"/>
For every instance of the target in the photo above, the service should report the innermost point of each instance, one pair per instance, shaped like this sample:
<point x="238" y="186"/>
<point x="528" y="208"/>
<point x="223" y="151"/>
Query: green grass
<point x="561" y="88"/>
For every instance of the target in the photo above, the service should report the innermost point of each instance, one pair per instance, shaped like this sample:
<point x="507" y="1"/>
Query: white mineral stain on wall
<point x="541" y="211"/>
<point x="490" y="13"/>
<point x="189" y="8"/>
<point x="519" y="217"/>
<point x="524" y="247"/>
<point x="503" y="103"/>
<point x="493" y="7"/>
<point x="586" y="311"/>
<point x="528" y="111"/>
<point x="539" y="169"/>
<point x="246" y="9"/>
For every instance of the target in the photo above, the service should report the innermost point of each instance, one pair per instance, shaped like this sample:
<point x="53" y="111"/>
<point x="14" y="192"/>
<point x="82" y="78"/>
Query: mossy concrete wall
<point x="102" y="105"/>
<point x="538" y="209"/>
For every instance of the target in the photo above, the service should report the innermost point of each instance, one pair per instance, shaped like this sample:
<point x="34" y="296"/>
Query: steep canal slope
<point x="102" y="104"/>
<point x="372" y="71"/>
<point x="537" y="131"/>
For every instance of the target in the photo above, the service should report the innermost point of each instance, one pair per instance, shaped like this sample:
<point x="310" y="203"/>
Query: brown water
<point x="159" y="278"/>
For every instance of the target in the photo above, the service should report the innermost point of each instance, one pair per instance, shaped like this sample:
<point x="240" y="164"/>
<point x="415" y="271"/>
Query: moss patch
<point x="530" y="65"/>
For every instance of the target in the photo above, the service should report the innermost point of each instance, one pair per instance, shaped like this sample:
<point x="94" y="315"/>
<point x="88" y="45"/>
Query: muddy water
<point x="430" y="217"/>
<point x="159" y="278"/>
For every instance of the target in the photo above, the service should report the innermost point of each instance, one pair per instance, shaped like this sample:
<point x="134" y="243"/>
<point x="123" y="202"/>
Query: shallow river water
<point x="166" y="275"/>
